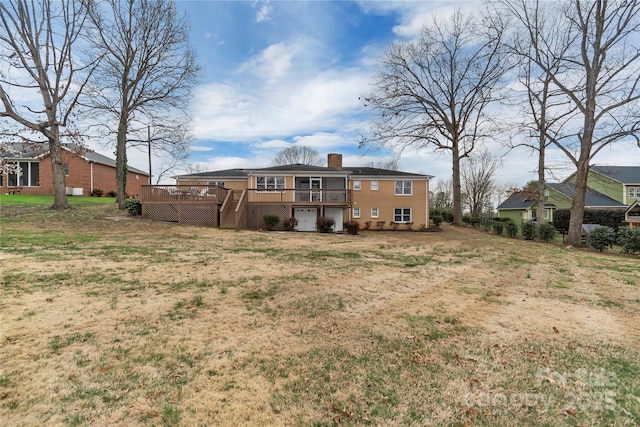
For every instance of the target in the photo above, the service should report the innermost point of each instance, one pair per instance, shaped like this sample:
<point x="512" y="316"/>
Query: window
<point x="403" y="188"/>
<point x="357" y="185"/>
<point x="24" y="174"/>
<point x="65" y="166"/>
<point x="402" y="214"/>
<point x="374" y="185"/>
<point x="633" y="194"/>
<point x="374" y="213"/>
<point x="265" y="183"/>
<point x="356" y="212"/>
<point x="546" y="214"/>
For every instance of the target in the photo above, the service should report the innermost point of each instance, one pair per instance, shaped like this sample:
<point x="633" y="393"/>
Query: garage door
<point x="307" y="218"/>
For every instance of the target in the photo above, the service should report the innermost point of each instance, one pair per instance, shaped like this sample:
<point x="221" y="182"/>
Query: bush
<point x="498" y="227"/>
<point x="394" y="225"/>
<point x="112" y="193"/>
<point x="409" y="225"/>
<point x="367" y="225"/>
<point x="352" y="227"/>
<point x="437" y="220"/>
<point x="271" y="220"/>
<point x="290" y="223"/>
<point x="629" y="239"/>
<point x="511" y="229"/>
<point x="609" y="218"/>
<point x="601" y="238"/>
<point x="547" y="232"/>
<point x="96" y="192"/>
<point x="325" y="225"/>
<point x="529" y="230"/>
<point x="380" y="224"/>
<point x="133" y="206"/>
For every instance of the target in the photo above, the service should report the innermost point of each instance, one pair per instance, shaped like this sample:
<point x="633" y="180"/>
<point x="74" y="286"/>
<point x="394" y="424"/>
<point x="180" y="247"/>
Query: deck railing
<point x="300" y="196"/>
<point x="183" y="193"/>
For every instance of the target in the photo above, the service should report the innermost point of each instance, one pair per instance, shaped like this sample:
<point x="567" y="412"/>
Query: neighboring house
<point x="521" y="206"/>
<point x="621" y="183"/>
<point x="26" y="168"/>
<point x="609" y="187"/>
<point x="298" y="191"/>
<point x="632" y="215"/>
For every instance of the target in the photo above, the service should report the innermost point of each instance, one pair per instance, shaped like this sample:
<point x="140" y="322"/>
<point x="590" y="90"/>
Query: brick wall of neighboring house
<point x="80" y="172"/>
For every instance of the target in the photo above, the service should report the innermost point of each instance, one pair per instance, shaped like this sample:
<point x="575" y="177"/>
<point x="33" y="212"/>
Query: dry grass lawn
<point x="108" y="322"/>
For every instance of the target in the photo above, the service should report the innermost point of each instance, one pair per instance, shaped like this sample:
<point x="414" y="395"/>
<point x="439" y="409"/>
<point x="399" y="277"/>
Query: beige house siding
<point x="386" y="201"/>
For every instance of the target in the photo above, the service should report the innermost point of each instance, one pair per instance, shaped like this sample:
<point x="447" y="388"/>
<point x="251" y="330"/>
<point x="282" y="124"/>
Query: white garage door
<point x="307" y="218"/>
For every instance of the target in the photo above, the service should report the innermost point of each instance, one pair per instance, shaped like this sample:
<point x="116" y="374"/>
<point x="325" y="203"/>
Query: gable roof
<point x="519" y="200"/>
<point x="629" y="175"/>
<point x="593" y="198"/>
<point x="21" y="151"/>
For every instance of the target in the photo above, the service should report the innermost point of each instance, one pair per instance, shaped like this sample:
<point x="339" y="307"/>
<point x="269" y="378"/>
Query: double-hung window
<point x="356" y="212"/>
<point x="402" y="215"/>
<point x="357" y="185"/>
<point x="374" y="185"/>
<point x="269" y="183"/>
<point x="374" y="213"/>
<point x="403" y="188"/>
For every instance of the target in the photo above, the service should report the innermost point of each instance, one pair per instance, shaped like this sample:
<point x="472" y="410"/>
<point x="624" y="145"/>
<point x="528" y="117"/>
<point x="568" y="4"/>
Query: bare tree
<point x="544" y="108"/>
<point x="39" y="43"/>
<point x="478" y="181"/>
<point x="146" y="77"/>
<point x="599" y="75"/>
<point x="298" y="154"/>
<point x="442" y="195"/>
<point x="436" y="91"/>
<point x="391" y="165"/>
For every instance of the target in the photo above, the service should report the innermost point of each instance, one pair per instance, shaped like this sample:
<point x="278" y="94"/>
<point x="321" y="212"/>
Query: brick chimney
<point x="334" y="161"/>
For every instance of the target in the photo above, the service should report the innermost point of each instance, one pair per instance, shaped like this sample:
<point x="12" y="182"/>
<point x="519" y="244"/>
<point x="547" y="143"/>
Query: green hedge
<point x="606" y="218"/>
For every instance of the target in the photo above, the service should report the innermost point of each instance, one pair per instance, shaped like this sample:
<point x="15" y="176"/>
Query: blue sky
<point x="276" y="73"/>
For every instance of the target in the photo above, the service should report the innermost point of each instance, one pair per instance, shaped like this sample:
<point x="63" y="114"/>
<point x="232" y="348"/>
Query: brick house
<point x="239" y="198"/>
<point x="26" y="168"/>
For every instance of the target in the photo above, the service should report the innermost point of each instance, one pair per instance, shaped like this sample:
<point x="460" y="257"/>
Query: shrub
<point x="609" y="218"/>
<point x="367" y="225"/>
<point x="511" y="229"/>
<point x="437" y="220"/>
<point x="352" y="227"/>
<point x="629" y="239"/>
<point x="498" y="227"/>
<point x="133" y="206"/>
<point x="394" y="225"/>
<point x="529" y="230"/>
<point x="290" y="223"/>
<point x="601" y="238"/>
<point x="380" y="224"/>
<point x="271" y="220"/>
<point x="112" y="193"/>
<point x="325" y="224"/>
<point x="547" y="232"/>
<point x="409" y="225"/>
<point x="96" y="192"/>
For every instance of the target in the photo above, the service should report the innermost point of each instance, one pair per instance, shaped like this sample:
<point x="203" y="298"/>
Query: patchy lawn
<point x="109" y="321"/>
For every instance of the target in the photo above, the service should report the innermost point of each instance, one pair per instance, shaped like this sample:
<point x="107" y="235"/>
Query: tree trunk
<point x="60" y="201"/>
<point x="541" y="180"/>
<point x="574" y="236"/>
<point x="457" y="188"/>
<point x="121" y="161"/>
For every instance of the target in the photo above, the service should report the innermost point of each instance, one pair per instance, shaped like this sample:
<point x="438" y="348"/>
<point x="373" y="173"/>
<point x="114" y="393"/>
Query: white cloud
<point x="265" y="11"/>
<point x="272" y="63"/>
<point x="200" y="148"/>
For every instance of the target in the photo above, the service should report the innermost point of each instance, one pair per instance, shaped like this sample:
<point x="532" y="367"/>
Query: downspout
<point x="91" y="177"/>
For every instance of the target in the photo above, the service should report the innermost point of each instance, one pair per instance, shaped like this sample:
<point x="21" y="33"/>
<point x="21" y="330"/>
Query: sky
<point x="282" y="73"/>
